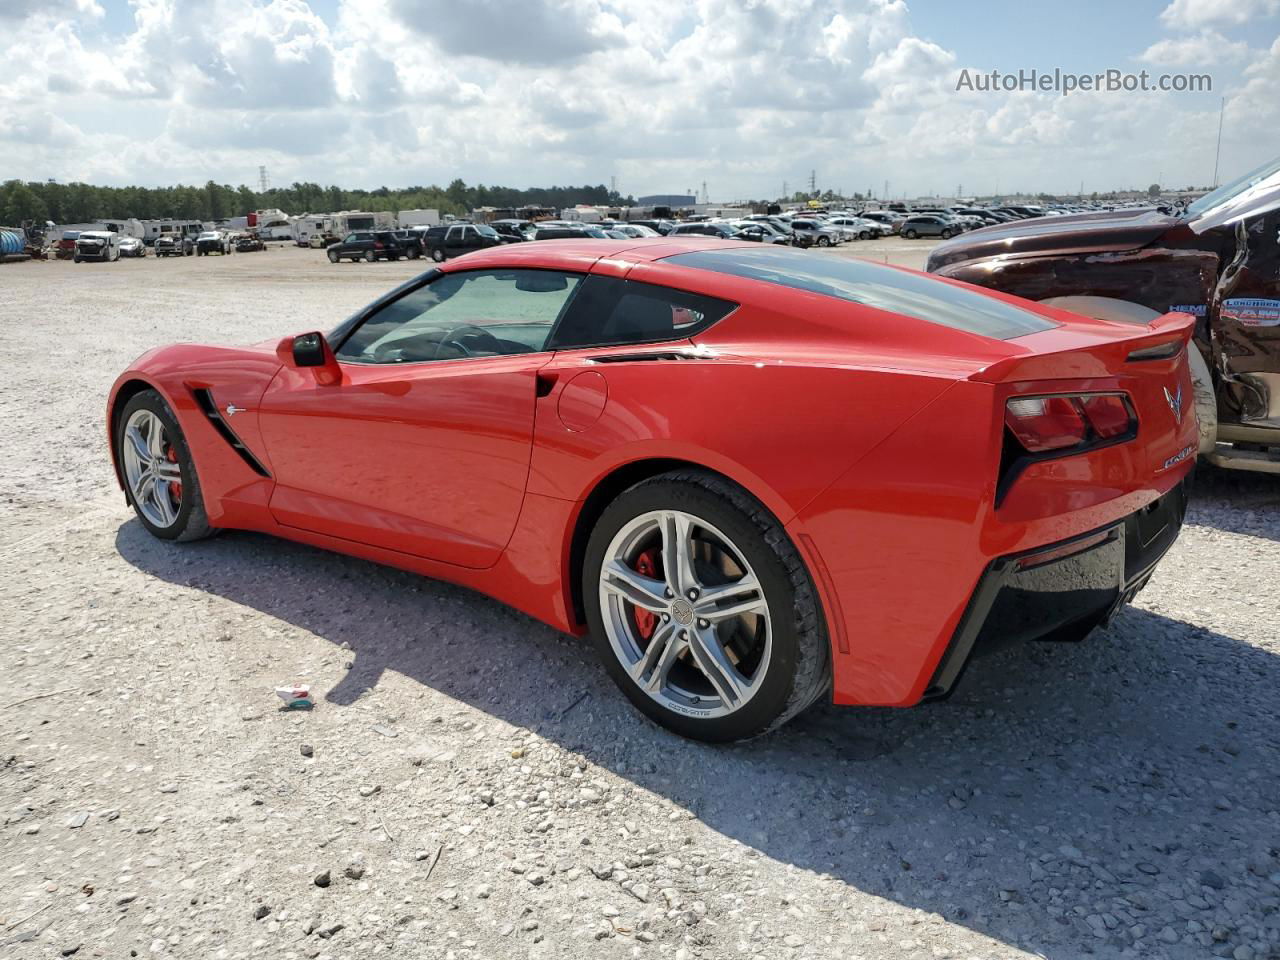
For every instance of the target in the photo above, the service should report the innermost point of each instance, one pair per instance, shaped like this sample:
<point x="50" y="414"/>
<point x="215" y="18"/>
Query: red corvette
<point x="757" y="476"/>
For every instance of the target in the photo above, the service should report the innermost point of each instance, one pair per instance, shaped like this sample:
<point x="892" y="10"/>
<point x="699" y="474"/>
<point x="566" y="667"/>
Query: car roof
<point x="579" y="253"/>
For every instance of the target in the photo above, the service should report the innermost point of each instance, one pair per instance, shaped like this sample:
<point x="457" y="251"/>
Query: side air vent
<point x="699" y="352"/>
<point x="205" y="399"/>
<point x="637" y="357"/>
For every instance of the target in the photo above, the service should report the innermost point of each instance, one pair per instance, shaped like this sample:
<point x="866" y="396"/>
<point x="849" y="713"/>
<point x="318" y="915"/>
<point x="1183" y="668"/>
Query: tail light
<point x="1043" y="428"/>
<point x="1070" y="423"/>
<point x="377" y="245"/>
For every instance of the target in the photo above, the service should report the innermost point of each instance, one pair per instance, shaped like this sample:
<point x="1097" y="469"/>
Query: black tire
<point x="946" y="234"/>
<point x="192" y="522"/>
<point x="333" y="256"/>
<point x="824" y="241"/>
<point x="437" y="254"/>
<point x="910" y="234"/>
<point x="370" y="256"/>
<point x="799" y="668"/>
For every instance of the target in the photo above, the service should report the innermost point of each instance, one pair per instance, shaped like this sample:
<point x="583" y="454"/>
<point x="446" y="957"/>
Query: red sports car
<point x="757" y="476"/>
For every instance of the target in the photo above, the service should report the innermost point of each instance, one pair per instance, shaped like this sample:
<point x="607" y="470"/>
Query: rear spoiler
<point x="1083" y="356"/>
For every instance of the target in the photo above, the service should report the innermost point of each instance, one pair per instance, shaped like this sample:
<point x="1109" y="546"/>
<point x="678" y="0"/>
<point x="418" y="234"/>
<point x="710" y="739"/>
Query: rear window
<point x="872" y="285"/>
<point x="610" y="311"/>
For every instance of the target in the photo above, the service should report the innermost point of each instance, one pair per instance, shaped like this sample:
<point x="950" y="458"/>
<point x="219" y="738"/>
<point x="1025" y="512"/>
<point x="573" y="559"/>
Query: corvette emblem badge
<point x="232" y="409"/>
<point x="1175" y="402"/>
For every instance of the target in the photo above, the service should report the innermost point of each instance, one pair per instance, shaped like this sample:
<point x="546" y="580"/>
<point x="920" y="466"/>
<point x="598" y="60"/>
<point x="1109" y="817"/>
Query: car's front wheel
<point x="333" y="256"/>
<point x="702" y="609"/>
<point x="910" y="234"/>
<point x="159" y="476"/>
<point x="824" y="242"/>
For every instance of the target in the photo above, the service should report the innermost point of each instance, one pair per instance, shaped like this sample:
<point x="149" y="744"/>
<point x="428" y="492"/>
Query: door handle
<point x="544" y="383"/>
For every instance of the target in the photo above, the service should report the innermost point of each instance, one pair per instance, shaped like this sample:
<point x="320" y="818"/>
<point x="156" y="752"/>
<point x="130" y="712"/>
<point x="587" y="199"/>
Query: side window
<point x="455" y="233"/>
<point x="477" y="313"/>
<point x="470" y="233"/>
<point x="608" y="311"/>
<point x="351" y="238"/>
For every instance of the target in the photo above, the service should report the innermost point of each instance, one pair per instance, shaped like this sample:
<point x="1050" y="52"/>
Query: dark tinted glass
<point x="610" y="311"/>
<point x="885" y="288"/>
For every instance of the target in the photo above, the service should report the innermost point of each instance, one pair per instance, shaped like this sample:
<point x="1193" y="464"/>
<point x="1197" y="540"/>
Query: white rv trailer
<point x="419" y="218"/>
<point x="313" y="224"/>
<point x="582" y="213"/>
<point x="349" y="221"/>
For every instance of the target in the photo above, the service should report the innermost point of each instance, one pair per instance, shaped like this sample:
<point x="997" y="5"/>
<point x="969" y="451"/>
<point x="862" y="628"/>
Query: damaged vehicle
<point x="1218" y="260"/>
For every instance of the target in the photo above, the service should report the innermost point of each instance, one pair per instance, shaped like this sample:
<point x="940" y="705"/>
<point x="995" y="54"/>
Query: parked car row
<point x="445" y="241"/>
<point x="108" y="246"/>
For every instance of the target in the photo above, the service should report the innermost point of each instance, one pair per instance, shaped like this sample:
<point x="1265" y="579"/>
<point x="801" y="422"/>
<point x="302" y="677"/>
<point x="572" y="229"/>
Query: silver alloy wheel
<point x="710" y="636"/>
<point x="150" y="473"/>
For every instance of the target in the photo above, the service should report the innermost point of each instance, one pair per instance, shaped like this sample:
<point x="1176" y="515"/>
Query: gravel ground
<point x="470" y="785"/>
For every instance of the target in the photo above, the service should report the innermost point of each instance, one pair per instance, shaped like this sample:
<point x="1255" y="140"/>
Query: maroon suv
<point x="1218" y="259"/>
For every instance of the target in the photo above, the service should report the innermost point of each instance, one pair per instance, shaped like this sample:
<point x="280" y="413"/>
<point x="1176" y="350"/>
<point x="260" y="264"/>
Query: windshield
<point x="486" y="231"/>
<point x="1230" y="190"/>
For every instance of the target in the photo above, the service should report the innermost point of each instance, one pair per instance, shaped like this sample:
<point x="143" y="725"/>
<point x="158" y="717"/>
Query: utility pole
<point x="1217" y="153"/>
<point x="264" y="184"/>
<point x="785" y="195"/>
<point x="613" y="186"/>
<point x="813" y="182"/>
<point x="706" y="197"/>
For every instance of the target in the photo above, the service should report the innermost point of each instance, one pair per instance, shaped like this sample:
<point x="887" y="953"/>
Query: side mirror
<point x="311" y="350"/>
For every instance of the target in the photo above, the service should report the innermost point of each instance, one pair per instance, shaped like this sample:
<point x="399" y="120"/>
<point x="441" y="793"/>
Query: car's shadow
<point x="1110" y="766"/>
<point x="1238" y="501"/>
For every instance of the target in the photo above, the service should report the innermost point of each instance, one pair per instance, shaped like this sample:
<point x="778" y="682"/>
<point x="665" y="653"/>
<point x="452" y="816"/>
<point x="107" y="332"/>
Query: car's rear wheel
<point x="159" y="475"/>
<point x="909" y="234"/>
<point x="702" y="609"/>
<point x="370" y="256"/>
<point x="437" y="255"/>
<point x="333" y="256"/>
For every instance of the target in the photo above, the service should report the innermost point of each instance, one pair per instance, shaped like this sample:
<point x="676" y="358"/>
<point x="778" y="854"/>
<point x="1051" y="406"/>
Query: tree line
<point x="86" y="203"/>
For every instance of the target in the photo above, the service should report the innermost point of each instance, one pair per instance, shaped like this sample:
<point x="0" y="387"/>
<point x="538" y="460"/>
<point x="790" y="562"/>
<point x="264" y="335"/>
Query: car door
<point x="423" y="446"/>
<point x="454" y="242"/>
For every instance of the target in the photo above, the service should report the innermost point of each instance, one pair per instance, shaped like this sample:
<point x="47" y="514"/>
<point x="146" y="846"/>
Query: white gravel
<point x="470" y="785"/>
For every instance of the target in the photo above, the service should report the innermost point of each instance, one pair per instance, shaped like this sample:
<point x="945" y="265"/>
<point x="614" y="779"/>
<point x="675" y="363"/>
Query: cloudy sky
<point x="661" y="94"/>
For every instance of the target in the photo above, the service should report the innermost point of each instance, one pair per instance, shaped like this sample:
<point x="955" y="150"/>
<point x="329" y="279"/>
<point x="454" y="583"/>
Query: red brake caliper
<point x="175" y="486"/>
<point x="646" y="621"/>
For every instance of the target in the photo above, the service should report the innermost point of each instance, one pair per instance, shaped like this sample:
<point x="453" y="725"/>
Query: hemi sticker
<point x="1195" y="309"/>
<point x="1252" y="313"/>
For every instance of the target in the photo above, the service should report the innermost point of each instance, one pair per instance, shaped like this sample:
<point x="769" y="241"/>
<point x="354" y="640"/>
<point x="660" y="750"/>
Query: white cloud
<point x="523" y="32"/>
<point x="741" y="93"/>
<point x="16" y="10"/>
<point x="1194" y="14"/>
<point x="1202" y="50"/>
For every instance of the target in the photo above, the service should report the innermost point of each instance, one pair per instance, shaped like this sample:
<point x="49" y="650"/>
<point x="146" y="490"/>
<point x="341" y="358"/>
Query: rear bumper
<point x="1063" y="590"/>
